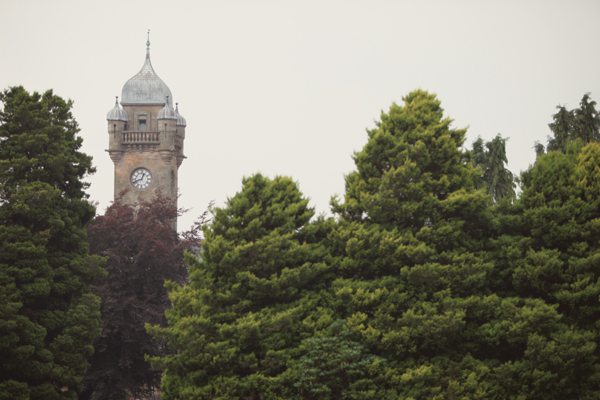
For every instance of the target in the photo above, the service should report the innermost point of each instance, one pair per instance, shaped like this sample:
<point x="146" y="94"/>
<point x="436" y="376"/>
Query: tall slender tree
<point x="491" y="159"/>
<point x="48" y="318"/>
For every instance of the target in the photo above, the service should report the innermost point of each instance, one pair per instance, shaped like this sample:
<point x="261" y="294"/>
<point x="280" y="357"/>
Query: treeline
<point x="431" y="281"/>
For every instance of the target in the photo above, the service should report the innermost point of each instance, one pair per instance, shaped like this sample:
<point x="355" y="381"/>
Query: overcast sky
<point x="289" y="87"/>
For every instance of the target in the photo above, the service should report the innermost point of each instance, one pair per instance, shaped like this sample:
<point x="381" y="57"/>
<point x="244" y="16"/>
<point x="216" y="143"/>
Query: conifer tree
<point x="548" y="252"/>
<point x="410" y="244"/>
<point x="491" y="159"/>
<point x="421" y="288"/>
<point x="560" y="210"/>
<point x="581" y="123"/>
<point x="415" y="274"/>
<point x="253" y="297"/>
<point x="48" y="318"/>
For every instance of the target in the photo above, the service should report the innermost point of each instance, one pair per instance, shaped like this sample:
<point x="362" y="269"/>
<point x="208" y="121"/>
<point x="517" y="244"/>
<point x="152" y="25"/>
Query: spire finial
<point x="148" y="42"/>
<point x="117" y="100"/>
<point x="177" y="107"/>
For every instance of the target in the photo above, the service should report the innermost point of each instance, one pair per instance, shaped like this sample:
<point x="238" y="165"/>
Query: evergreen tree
<point x="560" y="208"/>
<point x="416" y="275"/>
<point x="409" y="168"/>
<point x="419" y="289"/>
<point x="491" y="159"/>
<point x="569" y="125"/>
<point x="409" y="245"/>
<point x="549" y="252"/>
<point x="252" y="299"/>
<point x="414" y="189"/>
<point x="48" y="318"/>
<point x="562" y="128"/>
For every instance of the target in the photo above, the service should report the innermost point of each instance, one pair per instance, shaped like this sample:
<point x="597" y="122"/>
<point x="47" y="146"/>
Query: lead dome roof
<point x="116" y="113"/>
<point x="180" y="120"/>
<point x="166" y="112"/>
<point x="146" y="87"/>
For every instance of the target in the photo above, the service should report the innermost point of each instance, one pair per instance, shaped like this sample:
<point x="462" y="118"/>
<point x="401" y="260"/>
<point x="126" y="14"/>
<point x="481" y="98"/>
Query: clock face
<point x="141" y="178"/>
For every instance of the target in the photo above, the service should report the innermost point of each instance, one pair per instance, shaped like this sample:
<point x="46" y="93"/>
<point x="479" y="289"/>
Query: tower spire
<point x="148" y="43"/>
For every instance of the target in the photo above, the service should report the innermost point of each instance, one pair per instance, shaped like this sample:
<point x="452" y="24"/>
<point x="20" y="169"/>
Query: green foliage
<point x="412" y="277"/>
<point x="408" y="168"/>
<point x="454" y="295"/>
<point x="581" y="123"/>
<point x="336" y="367"/>
<point x="498" y="181"/>
<point x="48" y="319"/>
<point x="561" y="218"/>
<point x="244" y="315"/>
<point x="549" y="252"/>
<point x="422" y="288"/>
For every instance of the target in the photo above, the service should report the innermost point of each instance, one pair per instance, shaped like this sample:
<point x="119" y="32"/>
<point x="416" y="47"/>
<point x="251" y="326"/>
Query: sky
<point x="290" y="87"/>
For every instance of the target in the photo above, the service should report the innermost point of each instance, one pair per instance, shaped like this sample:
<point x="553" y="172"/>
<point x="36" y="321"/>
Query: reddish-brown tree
<point x="142" y="251"/>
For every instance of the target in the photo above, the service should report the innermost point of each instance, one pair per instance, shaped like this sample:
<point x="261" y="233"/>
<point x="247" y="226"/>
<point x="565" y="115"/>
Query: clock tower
<point x="146" y="137"/>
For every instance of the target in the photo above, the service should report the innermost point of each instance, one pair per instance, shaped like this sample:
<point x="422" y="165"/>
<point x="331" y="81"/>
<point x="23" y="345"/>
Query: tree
<point x="548" y="251"/>
<point x="581" y="123"/>
<point x="413" y="187"/>
<point x="142" y="251"/>
<point x="417" y="254"/>
<point x="409" y="167"/>
<point x="560" y="210"/>
<point x="48" y="318"/>
<point x="498" y="181"/>
<point x="411" y="272"/>
<point x="333" y="366"/>
<point x="419" y="289"/>
<point x="253" y="297"/>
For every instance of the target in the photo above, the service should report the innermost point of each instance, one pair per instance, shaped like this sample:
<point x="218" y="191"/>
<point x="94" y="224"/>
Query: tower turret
<point x="179" y="135"/>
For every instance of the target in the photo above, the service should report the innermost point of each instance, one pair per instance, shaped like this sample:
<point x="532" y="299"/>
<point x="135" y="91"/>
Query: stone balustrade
<point x="140" y="137"/>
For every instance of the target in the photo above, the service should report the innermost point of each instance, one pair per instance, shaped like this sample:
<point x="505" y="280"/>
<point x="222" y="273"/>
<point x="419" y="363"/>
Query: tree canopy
<point x="48" y="318"/>
<point x="252" y="297"/>
<point x="142" y="251"/>
<point x="432" y="280"/>
<point x="581" y="123"/>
